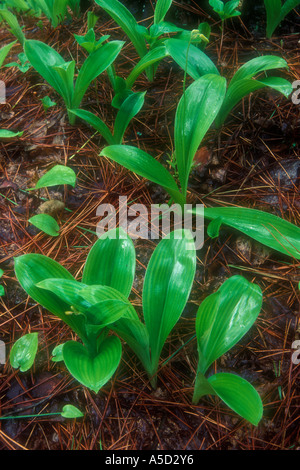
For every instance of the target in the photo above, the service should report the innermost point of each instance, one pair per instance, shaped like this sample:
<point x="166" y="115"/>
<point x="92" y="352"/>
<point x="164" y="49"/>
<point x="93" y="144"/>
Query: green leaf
<point x="244" y="87"/>
<point x="4" y="51"/>
<point x="126" y="21"/>
<point x="129" y="108"/>
<point x="93" y="66"/>
<point x="47" y="103"/>
<point x="44" y="59"/>
<point x="152" y="57"/>
<point x="111" y="262"/>
<point x="93" y="372"/>
<point x="258" y="65"/>
<point x="46" y="223"/>
<point x="33" y="268"/>
<point x="12" y="21"/>
<point x="141" y="163"/>
<point x="224" y="317"/>
<point x="2" y="291"/>
<point x="70" y="411"/>
<point x="190" y="58"/>
<point x="23" y="352"/>
<point x="268" y="229"/>
<point x="96" y="123"/>
<point x="239" y="395"/>
<point x="57" y="355"/>
<point x="59" y="174"/>
<point x="195" y="113"/>
<point x="5" y="134"/>
<point x="161" y="9"/>
<point x="167" y="285"/>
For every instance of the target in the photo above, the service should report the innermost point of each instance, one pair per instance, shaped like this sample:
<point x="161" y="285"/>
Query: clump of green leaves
<point x="93" y="361"/>
<point x="195" y="113"/>
<point x="227" y="10"/>
<point x="61" y="74"/>
<point x="99" y="302"/>
<point x="223" y="318"/>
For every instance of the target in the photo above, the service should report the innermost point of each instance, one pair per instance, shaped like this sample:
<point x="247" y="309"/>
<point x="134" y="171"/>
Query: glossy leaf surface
<point x="268" y="229"/>
<point x="239" y="395"/>
<point x="143" y="164"/>
<point x="23" y="352"/>
<point x="224" y="317"/>
<point x="93" y="372"/>
<point x="46" y="223"/>
<point x="59" y="174"/>
<point x="167" y="285"/>
<point x="195" y="113"/>
<point x="111" y="262"/>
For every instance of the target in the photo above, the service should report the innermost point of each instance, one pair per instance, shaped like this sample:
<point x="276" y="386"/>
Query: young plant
<point x="276" y="12"/>
<point x="148" y="42"/>
<point x="61" y="74"/>
<point x="95" y="360"/>
<point x="167" y="285"/>
<point x="225" y="11"/>
<point x="196" y="63"/>
<point x="195" y="113"/>
<point x="223" y="318"/>
<point x="268" y="229"/>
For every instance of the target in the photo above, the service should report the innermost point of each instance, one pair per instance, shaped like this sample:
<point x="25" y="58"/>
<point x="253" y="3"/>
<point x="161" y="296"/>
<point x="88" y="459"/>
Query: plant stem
<point x="202" y="387"/>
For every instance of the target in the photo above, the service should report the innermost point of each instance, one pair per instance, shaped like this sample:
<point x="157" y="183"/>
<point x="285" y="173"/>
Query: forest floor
<point x="253" y="162"/>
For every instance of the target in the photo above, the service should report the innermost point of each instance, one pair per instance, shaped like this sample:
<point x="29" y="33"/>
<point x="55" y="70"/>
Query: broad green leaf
<point x="59" y="174"/>
<point x="2" y="291"/>
<point x="152" y="57"/>
<point x="161" y="9"/>
<point x="244" y="87"/>
<point x="141" y="163"/>
<point x="167" y="285"/>
<point x="1" y="272"/>
<point x="126" y="21"/>
<point x="6" y="134"/>
<point x="44" y="59"/>
<point x="12" y="21"/>
<point x="96" y="123"/>
<point x="239" y="395"/>
<point x="268" y="229"/>
<point x="33" y="268"/>
<point x="66" y="72"/>
<point x="23" y="352"/>
<point x="70" y="411"/>
<point x="108" y="305"/>
<point x="129" y="108"/>
<point x="5" y="50"/>
<point x="93" y="66"/>
<point x="190" y="58"/>
<point x="195" y="113"/>
<point x="46" y="223"/>
<point x="93" y="372"/>
<point x="224" y="317"/>
<point x="111" y="262"/>
<point x="258" y="65"/>
<point x="101" y="305"/>
<point x="68" y="290"/>
<point x="57" y="355"/>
